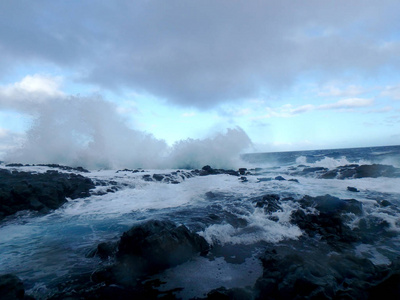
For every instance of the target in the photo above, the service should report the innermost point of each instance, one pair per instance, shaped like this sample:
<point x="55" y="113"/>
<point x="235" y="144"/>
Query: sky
<point x="293" y="75"/>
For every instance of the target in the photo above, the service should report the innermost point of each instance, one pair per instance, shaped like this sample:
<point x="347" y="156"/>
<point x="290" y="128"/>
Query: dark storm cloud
<point x="200" y="53"/>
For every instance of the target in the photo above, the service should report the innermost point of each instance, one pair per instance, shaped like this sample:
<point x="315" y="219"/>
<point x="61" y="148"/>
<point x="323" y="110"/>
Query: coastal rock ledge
<point x="40" y="192"/>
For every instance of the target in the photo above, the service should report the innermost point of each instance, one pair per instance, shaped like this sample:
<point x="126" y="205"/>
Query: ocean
<point x="46" y="250"/>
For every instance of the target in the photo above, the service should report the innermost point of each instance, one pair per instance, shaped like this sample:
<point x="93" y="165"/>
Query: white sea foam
<point x="329" y="162"/>
<point x="89" y="132"/>
<point x="259" y="228"/>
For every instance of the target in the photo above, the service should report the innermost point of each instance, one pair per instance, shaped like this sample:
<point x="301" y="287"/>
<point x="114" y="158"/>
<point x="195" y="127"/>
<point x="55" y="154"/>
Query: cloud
<point x="348" y="103"/>
<point x="188" y="114"/>
<point x="392" y="92"/>
<point x="30" y="93"/>
<point x="332" y="90"/>
<point x="288" y="110"/>
<point x="201" y="53"/>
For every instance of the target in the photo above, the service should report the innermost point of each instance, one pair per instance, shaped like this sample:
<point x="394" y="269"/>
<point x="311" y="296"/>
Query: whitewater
<point x="47" y="250"/>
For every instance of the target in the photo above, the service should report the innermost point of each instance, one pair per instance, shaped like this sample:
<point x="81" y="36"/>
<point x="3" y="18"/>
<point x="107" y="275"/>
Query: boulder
<point x="149" y="248"/>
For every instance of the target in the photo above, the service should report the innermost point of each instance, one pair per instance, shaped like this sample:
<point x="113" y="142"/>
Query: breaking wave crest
<point x="88" y="132"/>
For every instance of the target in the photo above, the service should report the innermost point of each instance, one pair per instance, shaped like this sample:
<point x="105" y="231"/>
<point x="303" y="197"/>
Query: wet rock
<point x="242" y="171"/>
<point x="351" y="171"/>
<point x="229" y="294"/>
<point x="292" y="272"/>
<point x="65" y="168"/>
<point x="332" y="205"/>
<point x="270" y="203"/>
<point x="39" y="192"/>
<point x="376" y="170"/>
<point x="158" y="177"/>
<point x="328" y="221"/>
<point x="11" y="287"/>
<point x="390" y="287"/>
<point x="280" y="178"/>
<point x="149" y="248"/>
<point x="147" y="177"/>
<point x="264" y="179"/>
<point x="308" y="170"/>
<point x="207" y="170"/>
<point x="294" y="180"/>
<point x="352" y="189"/>
<point x="243" y="179"/>
<point x="384" y="203"/>
<point x="105" y="250"/>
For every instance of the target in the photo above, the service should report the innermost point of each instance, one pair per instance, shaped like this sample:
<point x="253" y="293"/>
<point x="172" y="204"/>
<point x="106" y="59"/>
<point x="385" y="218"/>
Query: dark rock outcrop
<point x="11" y="288"/>
<point x="351" y="171"/>
<point x="207" y="170"/>
<point x="149" y="248"/>
<point x="327" y="221"/>
<point x="39" y="192"/>
<point x="294" y="274"/>
<point x="352" y="189"/>
<point x="269" y="202"/>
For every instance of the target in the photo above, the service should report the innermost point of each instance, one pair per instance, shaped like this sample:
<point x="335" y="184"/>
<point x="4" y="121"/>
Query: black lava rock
<point x="352" y="189"/>
<point x="11" y="288"/>
<point x="39" y="192"/>
<point x="270" y="203"/>
<point x="149" y="248"/>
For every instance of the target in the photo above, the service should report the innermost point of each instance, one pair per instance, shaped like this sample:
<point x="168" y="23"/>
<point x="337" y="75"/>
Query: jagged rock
<point x="149" y="248"/>
<point x="39" y="192"/>
<point x="328" y="221"/>
<point x="270" y="203"/>
<point x="207" y="170"/>
<point x="351" y="171"/>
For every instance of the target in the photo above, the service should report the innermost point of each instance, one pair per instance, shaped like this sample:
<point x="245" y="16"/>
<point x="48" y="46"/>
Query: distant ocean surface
<point x="329" y="157"/>
<point x="45" y="250"/>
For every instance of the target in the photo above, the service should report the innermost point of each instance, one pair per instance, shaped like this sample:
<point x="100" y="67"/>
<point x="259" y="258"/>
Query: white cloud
<point x="348" y="103"/>
<point x="333" y="90"/>
<point x="392" y="92"/>
<point x="29" y="93"/>
<point x="188" y="114"/>
<point x="37" y="83"/>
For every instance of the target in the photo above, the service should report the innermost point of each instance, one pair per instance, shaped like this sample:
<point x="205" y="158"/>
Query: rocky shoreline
<point x="321" y="264"/>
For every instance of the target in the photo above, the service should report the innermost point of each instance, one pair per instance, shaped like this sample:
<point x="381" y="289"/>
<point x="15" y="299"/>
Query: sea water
<point x="46" y="250"/>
